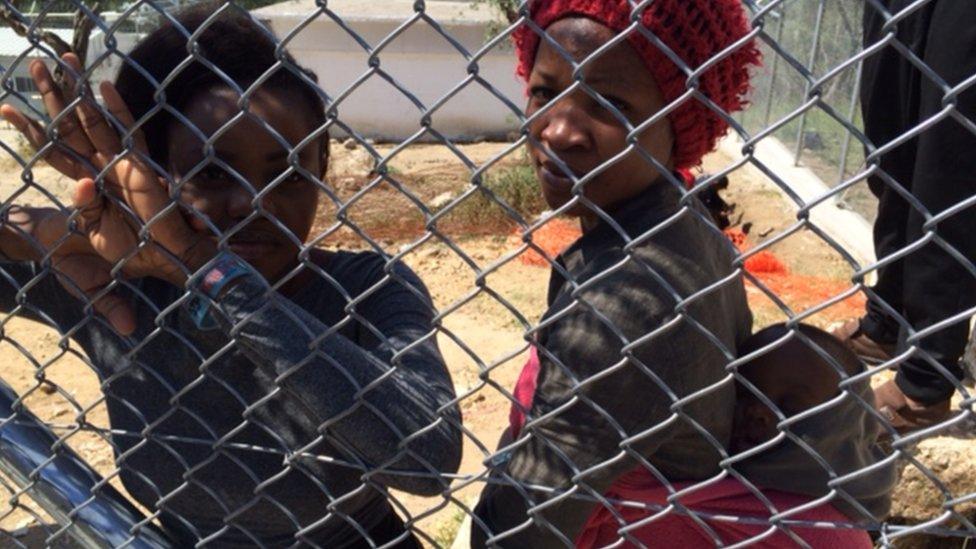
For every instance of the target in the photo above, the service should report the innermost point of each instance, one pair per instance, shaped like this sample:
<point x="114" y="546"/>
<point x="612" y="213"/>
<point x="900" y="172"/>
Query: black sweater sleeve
<point x="32" y="291"/>
<point x="387" y="396"/>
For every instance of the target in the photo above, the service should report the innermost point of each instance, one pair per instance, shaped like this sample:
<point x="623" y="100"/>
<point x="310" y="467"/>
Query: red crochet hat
<point x="696" y="31"/>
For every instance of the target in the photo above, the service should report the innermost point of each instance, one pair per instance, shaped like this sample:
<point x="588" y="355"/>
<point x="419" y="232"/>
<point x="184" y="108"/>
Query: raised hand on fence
<point x="32" y="233"/>
<point x="131" y="185"/>
<point x="70" y="150"/>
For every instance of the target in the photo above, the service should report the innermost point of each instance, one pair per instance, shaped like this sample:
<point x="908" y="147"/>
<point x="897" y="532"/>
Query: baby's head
<point x="219" y="192"/>
<point x="636" y="78"/>
<point x="794" y="376"/>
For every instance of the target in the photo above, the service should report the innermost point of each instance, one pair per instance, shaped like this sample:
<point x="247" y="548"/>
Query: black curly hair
<point x="233" y="42"/>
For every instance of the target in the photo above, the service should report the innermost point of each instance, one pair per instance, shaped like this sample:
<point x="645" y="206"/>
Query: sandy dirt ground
<point x="482" y="332"/>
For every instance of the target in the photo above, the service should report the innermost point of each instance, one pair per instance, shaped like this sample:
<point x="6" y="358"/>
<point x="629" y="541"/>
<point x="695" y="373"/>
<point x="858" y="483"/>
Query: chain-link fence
<point x="348" y="274"/>
<point x="821" y="36"/>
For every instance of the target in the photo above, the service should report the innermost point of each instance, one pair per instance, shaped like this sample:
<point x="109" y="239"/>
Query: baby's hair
<point x="233" y="42"/>
<point x="793" y="374"/>
<point x="830" y="344"/>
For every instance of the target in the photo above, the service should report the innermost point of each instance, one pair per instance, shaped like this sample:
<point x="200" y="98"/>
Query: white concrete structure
<point x="109" y="63"/>
<point x="845" y="226"/>
<point x="419" y="59"/>
<point x="16" y="53"/>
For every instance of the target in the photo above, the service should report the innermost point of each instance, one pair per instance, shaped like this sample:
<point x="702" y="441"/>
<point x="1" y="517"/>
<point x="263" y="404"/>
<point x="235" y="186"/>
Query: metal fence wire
<point x="261" y="298"/>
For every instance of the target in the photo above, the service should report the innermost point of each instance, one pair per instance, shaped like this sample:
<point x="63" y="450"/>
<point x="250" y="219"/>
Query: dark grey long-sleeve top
<point x="292" y="415"/>
<point x="643" y="314"/>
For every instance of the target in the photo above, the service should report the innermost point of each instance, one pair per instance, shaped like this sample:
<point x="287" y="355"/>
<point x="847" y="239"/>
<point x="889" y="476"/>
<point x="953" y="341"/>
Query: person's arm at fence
<point x="388" y="398"/>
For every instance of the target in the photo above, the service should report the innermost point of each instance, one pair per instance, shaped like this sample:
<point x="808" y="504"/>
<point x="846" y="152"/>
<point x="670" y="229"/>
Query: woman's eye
<point x="294" y="177"/>
<point x="212" y="173"/>
<point x="541" y="94"/>
<point x="289" y="181"/>
<point x="617" y="103"/>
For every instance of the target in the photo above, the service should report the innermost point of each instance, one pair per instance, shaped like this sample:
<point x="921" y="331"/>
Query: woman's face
<point x="584" y="134"/>
<point x="268" y="242"/>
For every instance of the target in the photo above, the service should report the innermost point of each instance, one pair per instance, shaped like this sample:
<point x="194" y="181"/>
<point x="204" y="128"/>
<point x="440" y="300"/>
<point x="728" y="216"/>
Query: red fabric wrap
<point x="695" y="30"/>
<point x="524" y="392"/>
<point x="728" y="497"/>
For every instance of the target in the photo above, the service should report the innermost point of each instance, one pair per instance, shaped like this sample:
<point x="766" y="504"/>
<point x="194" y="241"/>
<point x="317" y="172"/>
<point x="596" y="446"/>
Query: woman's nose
<point x="240" y="201"/>
<point x="564" y="127"/>
<point x="246" y="199"/>
<point x="197" y="214"/>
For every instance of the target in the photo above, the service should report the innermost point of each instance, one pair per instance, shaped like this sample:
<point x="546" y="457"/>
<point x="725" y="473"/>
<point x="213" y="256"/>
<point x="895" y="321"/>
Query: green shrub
<point x="447" y="531"/>
<point x="519" y="188"/>
<point x="515" y="185"/>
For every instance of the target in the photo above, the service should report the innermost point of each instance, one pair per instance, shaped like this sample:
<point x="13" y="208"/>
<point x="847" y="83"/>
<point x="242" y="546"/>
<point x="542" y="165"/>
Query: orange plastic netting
<point x="799" y="292"/>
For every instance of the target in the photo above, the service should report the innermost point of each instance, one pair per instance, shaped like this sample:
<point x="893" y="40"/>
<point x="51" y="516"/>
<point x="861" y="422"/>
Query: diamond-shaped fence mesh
<point x="338" y="273"/>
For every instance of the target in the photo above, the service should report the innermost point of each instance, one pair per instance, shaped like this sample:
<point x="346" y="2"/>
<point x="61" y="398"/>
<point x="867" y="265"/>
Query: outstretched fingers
<point x="28" y="127"/>
<point x="99" y="131"/>
<point x="73" y="147"/>
<point x="89" y="204"/>
<point x="145" y="192"/>
<point x="82" y="126"/>
<point x="70" y="133"/>
<point x="117" y="108"/>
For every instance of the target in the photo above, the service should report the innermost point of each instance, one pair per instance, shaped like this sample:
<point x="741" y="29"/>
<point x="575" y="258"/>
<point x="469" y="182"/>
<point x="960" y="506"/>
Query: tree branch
<point x="14" y="20"/>
<point x="82" y="27"/>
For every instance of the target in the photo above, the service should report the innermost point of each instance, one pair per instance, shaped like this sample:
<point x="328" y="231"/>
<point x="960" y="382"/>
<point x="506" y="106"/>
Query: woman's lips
<point x="251" y="249"/>
<point x="558" y="183"/>
<point x="253" y="246"/>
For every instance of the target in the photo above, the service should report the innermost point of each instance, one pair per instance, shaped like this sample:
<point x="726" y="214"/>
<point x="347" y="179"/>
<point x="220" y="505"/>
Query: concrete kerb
<point x="463" y="538"/>
<point x="845" y="226"/>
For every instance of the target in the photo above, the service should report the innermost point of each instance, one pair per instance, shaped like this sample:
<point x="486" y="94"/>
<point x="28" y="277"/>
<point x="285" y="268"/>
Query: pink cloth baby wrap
<point x="728" y="497"/>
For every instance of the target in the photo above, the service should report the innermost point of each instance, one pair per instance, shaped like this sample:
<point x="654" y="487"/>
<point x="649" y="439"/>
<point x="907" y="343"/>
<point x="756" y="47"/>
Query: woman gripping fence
<point x="260" y="391"/>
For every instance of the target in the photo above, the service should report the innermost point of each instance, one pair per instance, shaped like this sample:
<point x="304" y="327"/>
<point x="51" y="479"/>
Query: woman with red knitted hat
<point x="645" y="309"/>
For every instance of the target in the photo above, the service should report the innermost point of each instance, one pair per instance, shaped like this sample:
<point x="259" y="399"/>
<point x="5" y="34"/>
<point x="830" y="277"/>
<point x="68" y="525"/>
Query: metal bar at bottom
<point x="62" y="483"/>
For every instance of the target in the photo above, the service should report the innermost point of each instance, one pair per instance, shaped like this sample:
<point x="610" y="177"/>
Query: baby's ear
<point x="757" y="423"/>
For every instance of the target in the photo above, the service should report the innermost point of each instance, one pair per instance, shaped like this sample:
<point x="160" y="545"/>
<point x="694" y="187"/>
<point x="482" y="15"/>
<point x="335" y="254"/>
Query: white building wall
<point x="420" y="60"/>
<point x="12" y="69"/>
<point x="16" y="66"/>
